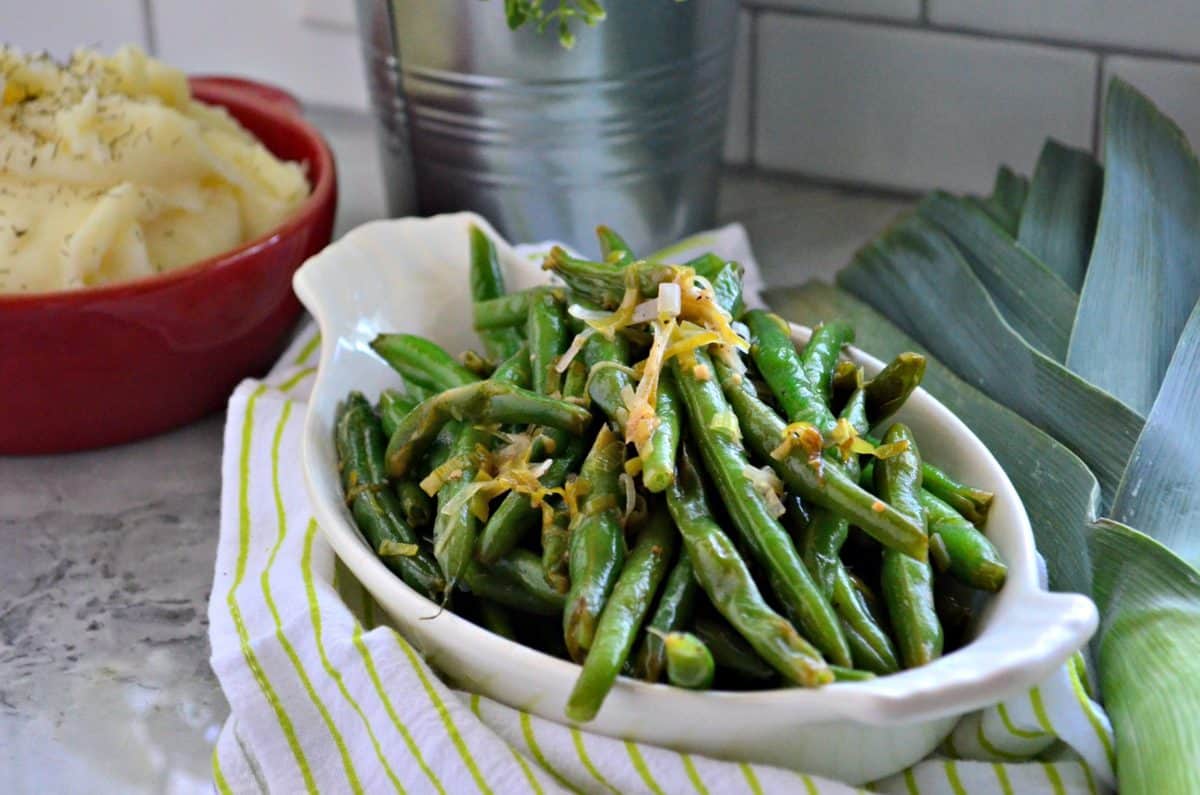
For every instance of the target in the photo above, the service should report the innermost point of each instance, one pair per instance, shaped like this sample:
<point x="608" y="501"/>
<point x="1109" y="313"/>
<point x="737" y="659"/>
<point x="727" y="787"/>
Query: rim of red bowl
<point x="283" y="110"/>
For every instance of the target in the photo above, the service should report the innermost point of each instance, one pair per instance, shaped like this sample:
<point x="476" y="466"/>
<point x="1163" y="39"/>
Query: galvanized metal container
<point x="626" y="129"/>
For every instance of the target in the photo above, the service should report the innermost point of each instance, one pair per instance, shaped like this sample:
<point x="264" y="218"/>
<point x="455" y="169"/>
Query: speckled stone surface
<point x="106" y="557"/>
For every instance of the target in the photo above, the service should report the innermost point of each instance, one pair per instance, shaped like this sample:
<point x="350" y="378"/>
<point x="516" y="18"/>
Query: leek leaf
<point x="1035" y="301"/>
<point x="914" y="275"/>
<point x="1148" y="646"/>
<point x="1060" y="495"/>
<point x="1160" y="492"/>
<point x="1143" y="277"/>
<point x="1007" y="199"/>
<point x="1058" y="221"/>
<point x="1148" y="655"/>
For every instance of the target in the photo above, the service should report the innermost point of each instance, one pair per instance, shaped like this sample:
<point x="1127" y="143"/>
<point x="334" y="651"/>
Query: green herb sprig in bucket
<point x="537" y="13"/>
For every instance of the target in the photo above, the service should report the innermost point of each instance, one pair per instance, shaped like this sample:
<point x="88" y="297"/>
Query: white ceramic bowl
<point x="411" y="275"/>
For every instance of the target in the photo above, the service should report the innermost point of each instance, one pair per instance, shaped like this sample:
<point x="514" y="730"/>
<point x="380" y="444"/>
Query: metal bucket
<point x="625" y="129"/>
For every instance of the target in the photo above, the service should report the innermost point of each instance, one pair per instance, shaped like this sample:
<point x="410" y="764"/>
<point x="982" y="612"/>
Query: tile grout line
<point x="1002" y="37"/>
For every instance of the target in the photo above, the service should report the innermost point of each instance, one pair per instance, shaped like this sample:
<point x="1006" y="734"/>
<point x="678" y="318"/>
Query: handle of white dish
<point x="1063" y="620"/>
<point x="1050" y="628"/>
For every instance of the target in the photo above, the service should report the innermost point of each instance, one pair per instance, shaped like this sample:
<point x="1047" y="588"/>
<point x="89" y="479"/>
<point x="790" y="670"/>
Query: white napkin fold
<point x="324" y="697"/>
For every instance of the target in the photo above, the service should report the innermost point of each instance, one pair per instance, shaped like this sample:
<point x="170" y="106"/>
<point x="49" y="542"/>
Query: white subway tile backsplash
<point x="267" y="40"/>
<point x="890" y="9"/>
<point x="1170" y="25"/>
<point x="737" y="131"/>
<point x="1172" y="85"/>
<point x="59" y="26"/>
<point x="911" y="109"/>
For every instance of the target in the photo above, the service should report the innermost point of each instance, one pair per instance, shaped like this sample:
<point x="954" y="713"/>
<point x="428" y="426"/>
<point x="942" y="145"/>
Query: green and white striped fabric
<point x="325" y="698"/>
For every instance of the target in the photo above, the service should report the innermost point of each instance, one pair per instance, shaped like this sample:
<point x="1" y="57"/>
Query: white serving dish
<point x="411" y="275"/>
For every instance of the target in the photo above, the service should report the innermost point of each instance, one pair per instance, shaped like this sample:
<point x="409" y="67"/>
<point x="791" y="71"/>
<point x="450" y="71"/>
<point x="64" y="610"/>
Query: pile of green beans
<point x="775" y="526"/>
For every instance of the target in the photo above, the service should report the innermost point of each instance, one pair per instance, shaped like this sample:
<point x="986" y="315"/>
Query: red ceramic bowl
<point x="103" y="365"/>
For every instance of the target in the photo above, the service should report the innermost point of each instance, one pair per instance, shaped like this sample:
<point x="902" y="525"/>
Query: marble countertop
<point x="106" y="557"/>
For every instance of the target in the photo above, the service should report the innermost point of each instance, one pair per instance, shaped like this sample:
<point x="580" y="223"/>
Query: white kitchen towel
<point x="325" y="697"/>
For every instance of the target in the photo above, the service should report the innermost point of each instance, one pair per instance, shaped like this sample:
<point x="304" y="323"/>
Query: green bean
<point x="623" y="615"/>
<point x="907" y="583"/>
<point x="972" y="503"/>
<point x="392" y="407"/>
<point x="973" y="559"/>
<point x="481" y="402"/>
<point x="422" y="362"/>
<point x="854" y="413"/>
<point x="725" y="279"/>
<point x="508" y="311"/>
<point x="481" y="367"/>
<point x="555" y="545"/>
<point x="555" y="554"/>
<point x="841" y="674"/>
<point x="781" y="367"/>
<point x="689" y="662"/>
<point x="516" y="369"/>
<point x="418" y="392"/>
<point x="546" y="331"/>
<point x="517" y="515"/>
<point x="658" y="464"/>
<point x="514" y="581"/>
<point x="731" y="652"/>
<point x="496" y="619"/>
<point x="868" y="598"/>
<point x="820" y="545"/>
<point x="486" y="278"/>
<point x="487" y="282"/>
<point x="888" y="391"/>
<point x="456" y="527"/>
<point x="613" y="248"/>
<point x="870" y="647"/>
<point x="604" y="284"/>
<point x="575" y="383"/>
<point x="828" y="486"/>
<point x="707" y="266"/>
<point x="820" y="355"/>
<point x="455" y="530"/>
<point x="827" y="531"/>
<point x="597" y="545"/>
<point x="724" y="576"/>
<point x="673" y="612"/>
<point x="939" y="556"/>
<point x="607" y="383"/>
<point x="847" y="378"/>
<point x="822" y="541"/>
<point x="865" y="655"/>
<point x="439" y="449"/>
<point x="727" y="287"/>
<point x="728" y="466"/>
<point x="415" y="505"/>
<point x="359" y="441"/>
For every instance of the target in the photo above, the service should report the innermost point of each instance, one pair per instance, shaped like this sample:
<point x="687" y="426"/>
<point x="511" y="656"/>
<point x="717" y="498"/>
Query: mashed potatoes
<point x="109" y="171"/>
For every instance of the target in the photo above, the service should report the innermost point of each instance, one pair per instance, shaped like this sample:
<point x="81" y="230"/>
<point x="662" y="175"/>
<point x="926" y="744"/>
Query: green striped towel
<point x="326" y="697"/>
